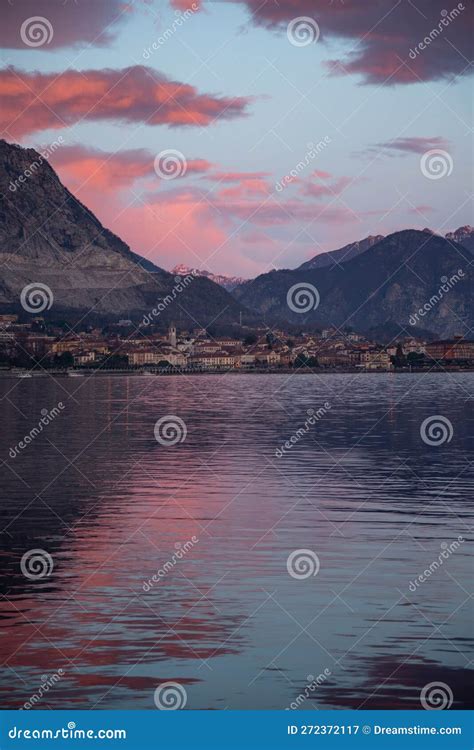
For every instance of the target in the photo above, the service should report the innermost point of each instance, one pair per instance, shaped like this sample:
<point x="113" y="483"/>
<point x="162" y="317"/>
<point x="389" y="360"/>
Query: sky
<point x="247" y="135"/>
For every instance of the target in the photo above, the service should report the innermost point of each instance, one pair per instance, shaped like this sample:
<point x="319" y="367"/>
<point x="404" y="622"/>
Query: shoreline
<point x="26" y="374"/>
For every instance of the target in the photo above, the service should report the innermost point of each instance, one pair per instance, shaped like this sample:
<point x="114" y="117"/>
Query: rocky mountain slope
<point x="385" y="285"/>
<point x="47" y="236"/>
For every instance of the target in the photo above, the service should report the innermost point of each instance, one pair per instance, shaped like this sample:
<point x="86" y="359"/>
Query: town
<point x="36" y="346"/>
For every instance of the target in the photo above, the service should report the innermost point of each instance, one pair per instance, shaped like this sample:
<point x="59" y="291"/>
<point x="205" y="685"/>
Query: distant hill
<point x="383" y="286"/>
<point x="47" y="236"/>
<point x="463" y="235"/>
<point x="228" y="282"/>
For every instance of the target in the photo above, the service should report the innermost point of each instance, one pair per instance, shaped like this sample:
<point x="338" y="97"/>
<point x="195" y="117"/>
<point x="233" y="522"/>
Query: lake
<point x="273" y="542"/>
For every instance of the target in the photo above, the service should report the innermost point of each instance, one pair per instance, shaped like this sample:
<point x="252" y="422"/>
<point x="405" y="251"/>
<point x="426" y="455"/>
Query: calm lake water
<point x="111" y="505"/>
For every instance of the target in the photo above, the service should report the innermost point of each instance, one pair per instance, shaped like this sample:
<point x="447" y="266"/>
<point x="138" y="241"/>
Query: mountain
<point x="385" y="285"/>
<point x="228" y="282"/>
<point x="47" y="236"/>
<point x="342" y="255"/>
<point x="463" y="235"/>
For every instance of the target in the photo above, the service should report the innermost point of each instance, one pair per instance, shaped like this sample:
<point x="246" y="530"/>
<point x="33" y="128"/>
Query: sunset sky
<point x="243" y="100"/>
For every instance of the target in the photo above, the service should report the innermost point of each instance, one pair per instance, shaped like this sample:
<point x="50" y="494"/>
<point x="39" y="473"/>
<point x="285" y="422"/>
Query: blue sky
<point x="361" y="187"/>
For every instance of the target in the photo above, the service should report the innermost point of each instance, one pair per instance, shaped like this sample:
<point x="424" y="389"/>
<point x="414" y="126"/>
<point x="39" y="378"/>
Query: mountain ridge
<point x="385" y="284"/>
<point x="228" y="282"/>
<point x="342" y="254"/>
<point x="48" y="236"/>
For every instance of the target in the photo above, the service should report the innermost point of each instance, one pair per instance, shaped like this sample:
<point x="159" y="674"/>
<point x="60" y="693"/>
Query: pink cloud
<point x="384" y="36"/>
<point x="83" y="167"/>
<point x="186" y="4"/>
<point x="183" y="223"/>
<point x="245" y="189"/>
<point x="319" y="173"/>
<point x="325" y="189"/>
<point x="421" y="210"/>
<point x="237" y="176"/>
<point x="90" y="21"/>
<point x="410" y="144"/>
<point x="36" y="101"/>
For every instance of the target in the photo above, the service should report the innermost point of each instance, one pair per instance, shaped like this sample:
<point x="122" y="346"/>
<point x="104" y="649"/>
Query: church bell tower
<point x="172" y="334"/>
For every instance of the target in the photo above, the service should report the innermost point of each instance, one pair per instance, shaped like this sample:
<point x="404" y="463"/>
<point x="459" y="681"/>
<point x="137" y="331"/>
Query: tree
<point x="270" y="340"/>
<point x="415" y="359"/>
<point x="303" y="361"/>
<point x="250" y="339"/>
<point x="118" y="361"/>
<point x="399" y="360"/>
<point x="65" y="359"/>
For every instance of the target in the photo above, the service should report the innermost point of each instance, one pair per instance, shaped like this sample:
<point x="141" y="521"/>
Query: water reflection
<point x="112" y="506"/>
